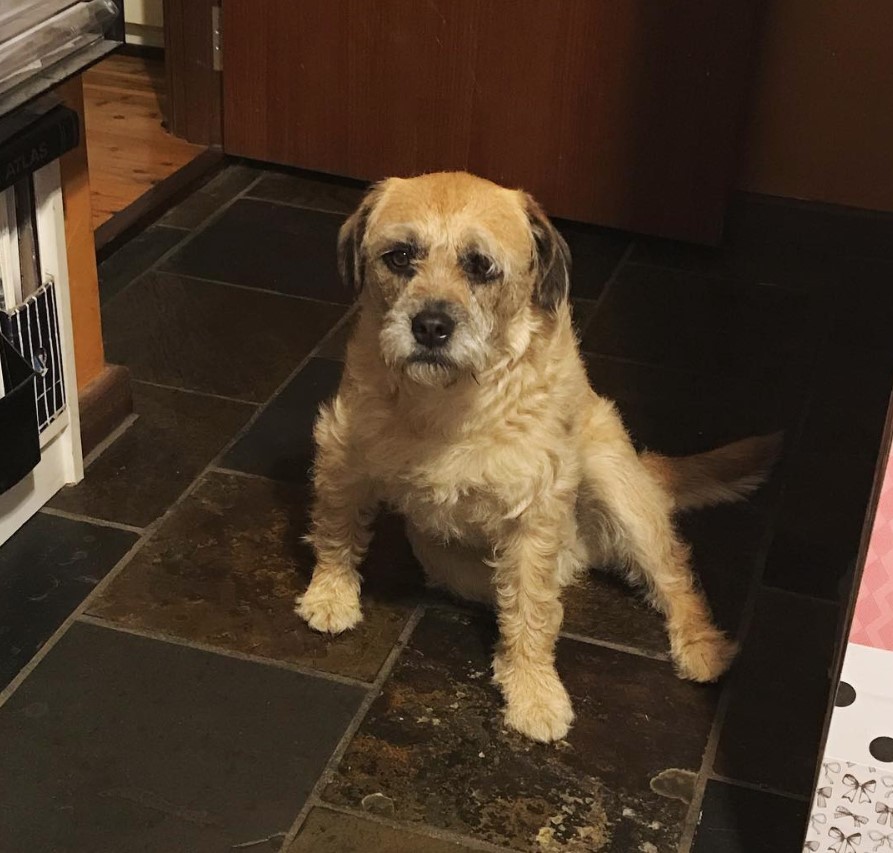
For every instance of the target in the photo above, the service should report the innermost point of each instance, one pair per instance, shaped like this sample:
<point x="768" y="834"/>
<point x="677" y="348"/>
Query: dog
<point x="465" y="406"/>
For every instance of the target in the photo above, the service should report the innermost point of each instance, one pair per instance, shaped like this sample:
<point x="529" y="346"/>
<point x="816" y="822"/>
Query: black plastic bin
<point x="19" y="435"/>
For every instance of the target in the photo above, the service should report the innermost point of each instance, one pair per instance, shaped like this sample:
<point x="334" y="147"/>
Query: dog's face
<point x="456" y="269"/>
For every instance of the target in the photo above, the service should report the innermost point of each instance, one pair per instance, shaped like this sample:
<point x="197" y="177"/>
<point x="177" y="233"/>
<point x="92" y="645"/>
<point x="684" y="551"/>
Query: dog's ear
<point x="551" y="261"/>
<point x="350" y="240"/>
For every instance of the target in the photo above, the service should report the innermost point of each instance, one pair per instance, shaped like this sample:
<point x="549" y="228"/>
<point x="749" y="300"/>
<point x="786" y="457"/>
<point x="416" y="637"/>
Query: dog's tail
<point x="724" y="475"/>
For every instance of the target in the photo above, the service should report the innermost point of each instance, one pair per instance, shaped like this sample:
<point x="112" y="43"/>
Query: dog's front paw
<point x="705" y="657"/>
<point x="538" y="706"/>
<point x="330" y="605"/>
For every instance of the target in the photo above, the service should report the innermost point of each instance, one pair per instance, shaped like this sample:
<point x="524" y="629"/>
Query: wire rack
<point x="33" y="329"/>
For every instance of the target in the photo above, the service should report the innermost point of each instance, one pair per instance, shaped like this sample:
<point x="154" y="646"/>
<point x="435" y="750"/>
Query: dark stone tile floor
<point x="188" y="709"/>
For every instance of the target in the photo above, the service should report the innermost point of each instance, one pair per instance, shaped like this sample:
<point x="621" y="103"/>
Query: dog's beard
<point x="467" y="352"/>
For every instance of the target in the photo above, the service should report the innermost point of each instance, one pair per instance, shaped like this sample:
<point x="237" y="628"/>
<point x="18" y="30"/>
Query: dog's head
<point x="457" y="269"/>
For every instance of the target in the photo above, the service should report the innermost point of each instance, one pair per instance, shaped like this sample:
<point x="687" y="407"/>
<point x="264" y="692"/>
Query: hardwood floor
<point x="128" y="149"/>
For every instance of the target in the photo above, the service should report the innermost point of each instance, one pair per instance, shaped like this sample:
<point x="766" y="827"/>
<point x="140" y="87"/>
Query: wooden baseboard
<point x="152" y="204"/>
<point x="104" y="404"/>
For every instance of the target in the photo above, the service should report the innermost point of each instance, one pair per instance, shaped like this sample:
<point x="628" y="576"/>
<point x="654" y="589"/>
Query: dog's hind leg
<point x="343" y="511"/>
<point x="632" y="521"/>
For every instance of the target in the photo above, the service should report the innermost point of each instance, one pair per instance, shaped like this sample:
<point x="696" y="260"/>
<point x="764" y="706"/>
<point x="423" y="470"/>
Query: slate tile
<point x="335" y="348"/>
<point x="863" y="305"/>
<point x="676" y="319"/>
<point x="48" y="567"/>
<point x="807" y="269"/>
<point x="779" y="691"/>
<point x="279" y="443"/>
<point x="118" y="742"/>
<point x="829" y="475"/>
<point x="850" y="398"/>
<point x="326" y="831"/>
<point x="224" y="568"/>
<point x="207" y="337"/>
<point x="814" y="227"/>
<point x="595" y="254"/>
<point x="134" y="258"/>
<point x="268" y="246"/>
<point x="176" y="434"/>
<point x="726" y="545"/>
<point x="816" y="535"/>
<point x="208" y="199"/>
<point x="434" y="743"/>
<point x="739" y="820"/>
<point x="681" y="412"/>
<point x="314" y="192"/>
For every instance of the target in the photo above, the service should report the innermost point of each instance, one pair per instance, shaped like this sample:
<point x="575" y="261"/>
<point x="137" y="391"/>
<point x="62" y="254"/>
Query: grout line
<point x="617" y="647"/>
<point x="150" y="634"/>
<point x="188" y="235"/>
<point x="421" y="829"/>
<point x="91" y="519"/>
<point x="110" y="439"/>
<point x="764" y="789"/>
<point x="341" y="214"/>
<point x="611" y="280"/>
<point x="249" y="475"/>
<point x="149" y="531"/>
<point x="693" y="819"/>
<point x="166" y="387"/>
<point x="60" y="632"/>
<point x="252" y="289"/>
<point x="216" y="462"/>
<point x="335" y="758"/>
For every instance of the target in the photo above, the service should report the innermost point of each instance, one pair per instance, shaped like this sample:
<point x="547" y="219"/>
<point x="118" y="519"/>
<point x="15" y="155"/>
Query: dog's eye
<point x="479" y="267"/>
<point x="398" y="260"/>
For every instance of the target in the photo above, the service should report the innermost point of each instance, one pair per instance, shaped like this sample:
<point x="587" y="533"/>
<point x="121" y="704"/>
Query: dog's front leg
<point x="530" y="613"/>
<point x="343" y="511"/>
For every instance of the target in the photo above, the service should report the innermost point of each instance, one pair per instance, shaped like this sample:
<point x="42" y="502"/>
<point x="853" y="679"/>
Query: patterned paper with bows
<point x="853" y="810"/>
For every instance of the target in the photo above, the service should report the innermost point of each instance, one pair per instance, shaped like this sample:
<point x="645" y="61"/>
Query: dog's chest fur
<point x="465" y="467"/>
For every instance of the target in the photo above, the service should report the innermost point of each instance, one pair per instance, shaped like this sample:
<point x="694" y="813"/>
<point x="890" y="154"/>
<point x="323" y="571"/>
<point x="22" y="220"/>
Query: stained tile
<point x="726" y="545"/>
<point x="434" y="743"/>
<point x="271" y="247"/>
<point x="134" y="258"/>
<point x="314" y="192"/>
<point x="681" y="412"/>
<point x="680" y="320"/>
<point x="208" y="337"/>
<point x="279" y="443"/>
<point x="47" y="569"/>
<point x="739" y="820"/>
<point x="207" y="200"/>
<point x="117" y="742"/>
<point x="779" y="694"/>
<point x="326" y="831"/>
<point x="176" y="434"/>
<point x="225" y="566"/>
<point x="595" y="253"/>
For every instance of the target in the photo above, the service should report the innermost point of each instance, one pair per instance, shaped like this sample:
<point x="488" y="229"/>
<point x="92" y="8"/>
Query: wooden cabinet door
<point x="617" y="112"/>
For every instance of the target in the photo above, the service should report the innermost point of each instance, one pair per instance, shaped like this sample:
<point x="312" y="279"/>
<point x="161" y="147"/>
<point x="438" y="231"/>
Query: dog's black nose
<point x="432" y="328"/>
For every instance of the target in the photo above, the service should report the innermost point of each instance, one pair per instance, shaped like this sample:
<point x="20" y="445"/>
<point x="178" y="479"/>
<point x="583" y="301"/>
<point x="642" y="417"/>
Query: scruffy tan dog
<point x="465" y="406"/>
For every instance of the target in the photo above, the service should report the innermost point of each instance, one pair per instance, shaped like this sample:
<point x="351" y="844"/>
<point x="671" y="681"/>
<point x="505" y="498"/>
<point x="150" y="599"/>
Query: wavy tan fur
<point x="513" y="475"/>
